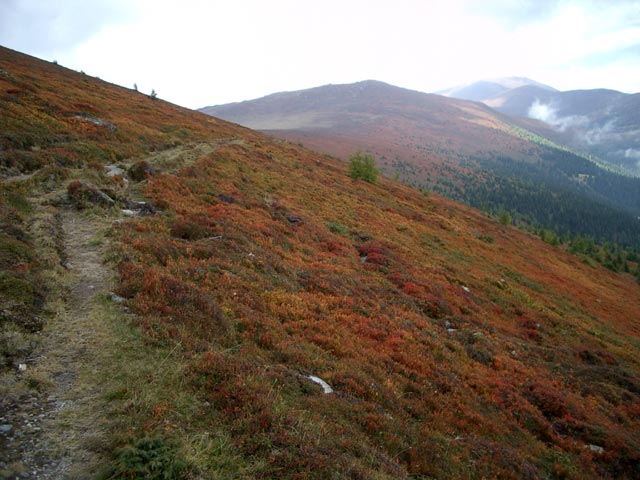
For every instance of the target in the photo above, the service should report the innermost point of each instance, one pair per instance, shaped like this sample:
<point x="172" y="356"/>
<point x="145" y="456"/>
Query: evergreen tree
<point x="363" y="167"/>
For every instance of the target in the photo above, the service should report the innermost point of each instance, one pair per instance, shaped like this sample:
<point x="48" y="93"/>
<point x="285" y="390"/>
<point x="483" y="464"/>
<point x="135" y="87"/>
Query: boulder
<point x="83" y="193"/>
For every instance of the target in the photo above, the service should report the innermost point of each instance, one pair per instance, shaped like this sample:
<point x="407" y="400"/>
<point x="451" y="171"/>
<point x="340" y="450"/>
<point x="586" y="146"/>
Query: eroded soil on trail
<point x="55" y="421"/>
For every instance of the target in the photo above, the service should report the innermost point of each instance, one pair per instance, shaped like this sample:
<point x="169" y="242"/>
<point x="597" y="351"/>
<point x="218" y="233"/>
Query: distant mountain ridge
<point x="460" y="148"/>
<point x="602" y="122"/>
<point x="485" y="89"/>
<point x="318" y="107"/>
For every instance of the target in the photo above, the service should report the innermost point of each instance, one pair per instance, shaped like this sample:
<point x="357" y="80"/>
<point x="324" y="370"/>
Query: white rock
<point x="116" y="298"/>
<point x="113" y="170"/>
<point x="325" y="386"/>
<point x="596" y="449"/>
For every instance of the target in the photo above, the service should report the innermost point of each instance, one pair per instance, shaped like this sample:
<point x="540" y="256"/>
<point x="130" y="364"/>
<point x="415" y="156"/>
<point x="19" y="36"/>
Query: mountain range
<point x="483" y="90"/>
<point x="604" y="123"/>
<point x="183" y="297"/>
<point x="460" y="148"/>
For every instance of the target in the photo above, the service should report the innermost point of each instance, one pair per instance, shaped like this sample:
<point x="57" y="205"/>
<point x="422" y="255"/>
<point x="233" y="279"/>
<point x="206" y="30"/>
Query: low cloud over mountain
<point x="601" y="122"/>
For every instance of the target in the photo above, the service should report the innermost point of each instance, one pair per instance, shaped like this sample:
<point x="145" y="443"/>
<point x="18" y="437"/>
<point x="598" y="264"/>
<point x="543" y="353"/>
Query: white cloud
<point x="542" y="111"/>
<point x="579" y="125"/>
<point x="199" y="52"/>
<point x="47" y="27"/>
<point x="548" y="113"/>
<point x="632" y="153"/>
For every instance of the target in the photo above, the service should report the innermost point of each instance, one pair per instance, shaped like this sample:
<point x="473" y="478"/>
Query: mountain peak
<point x="483" y="90"/>
<point x="515" y="82"/>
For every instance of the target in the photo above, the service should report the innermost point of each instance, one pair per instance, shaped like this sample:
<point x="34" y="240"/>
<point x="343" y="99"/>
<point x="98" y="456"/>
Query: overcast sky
<point x="197" y="53"/>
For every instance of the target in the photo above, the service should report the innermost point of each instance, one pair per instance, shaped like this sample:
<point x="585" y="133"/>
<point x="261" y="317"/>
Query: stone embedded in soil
<point x="6" y="428"/>
<point x="116" y="298"/>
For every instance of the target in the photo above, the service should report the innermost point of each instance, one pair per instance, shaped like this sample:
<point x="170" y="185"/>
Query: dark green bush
<point x="148" y="458"/>
<point x="362" y="166"/>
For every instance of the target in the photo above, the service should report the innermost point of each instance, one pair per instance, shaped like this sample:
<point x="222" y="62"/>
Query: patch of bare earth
<point x="54" y="420"/>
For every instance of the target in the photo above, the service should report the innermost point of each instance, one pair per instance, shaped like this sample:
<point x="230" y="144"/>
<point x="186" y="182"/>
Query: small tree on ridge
<point x="363" y="166"/>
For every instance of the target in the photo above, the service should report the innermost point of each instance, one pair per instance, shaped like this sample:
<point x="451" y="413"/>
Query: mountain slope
<point x="602" y="122"/>
<point x="605" y="123"/>
<point x="459" y="148"/>
<point x="486" y="89"/>
<point x="455" y="347"/>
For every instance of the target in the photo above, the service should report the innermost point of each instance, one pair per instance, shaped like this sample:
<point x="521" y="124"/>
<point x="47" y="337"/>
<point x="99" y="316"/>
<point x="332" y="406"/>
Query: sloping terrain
<point x="59" y="421"/>
<point x="602" y="122"/>
<point x="485" y="89"/>
<point x="453" y="346"/>
<point x="458" y="148"/>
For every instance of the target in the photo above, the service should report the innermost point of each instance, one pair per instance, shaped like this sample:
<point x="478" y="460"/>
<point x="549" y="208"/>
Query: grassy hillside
<point x="455" y="347"/>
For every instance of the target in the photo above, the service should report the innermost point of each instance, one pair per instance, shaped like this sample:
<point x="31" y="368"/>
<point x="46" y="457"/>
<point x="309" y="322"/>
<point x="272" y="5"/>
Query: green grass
<point x="18" y="201"/>
<point x="338" y="228"/>
<point x="149" y="458"/>
<point x="153" y="406"/>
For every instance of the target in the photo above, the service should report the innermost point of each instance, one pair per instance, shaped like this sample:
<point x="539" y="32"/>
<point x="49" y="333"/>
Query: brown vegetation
<point x="450" y="356"/>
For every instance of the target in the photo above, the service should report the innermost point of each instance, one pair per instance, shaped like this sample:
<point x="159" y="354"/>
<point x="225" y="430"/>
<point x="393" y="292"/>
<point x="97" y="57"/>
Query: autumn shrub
<point x="131" y="277"/>
<point x="51" y="175"/>
<point x="551" y="403"/>
<point x="140" y="170"/>
<point x="580" y="430"/>
<point x="374" y="253"/>
<point x="412" y="289"/>
<point x="480" y="353"/>
<point x="84" y="194"/>
<point x="497" y="460"/>
<point x="22" y="161"/>
<point x="187" y="230"/>
<point x="435" y="306"/>
<point x="243" y="396"/>
<point x="597" y="357"/>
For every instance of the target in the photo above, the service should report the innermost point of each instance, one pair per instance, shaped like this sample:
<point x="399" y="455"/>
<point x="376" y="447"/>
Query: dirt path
<point x="58" y="429"/>
<point x="54" y="421"/>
